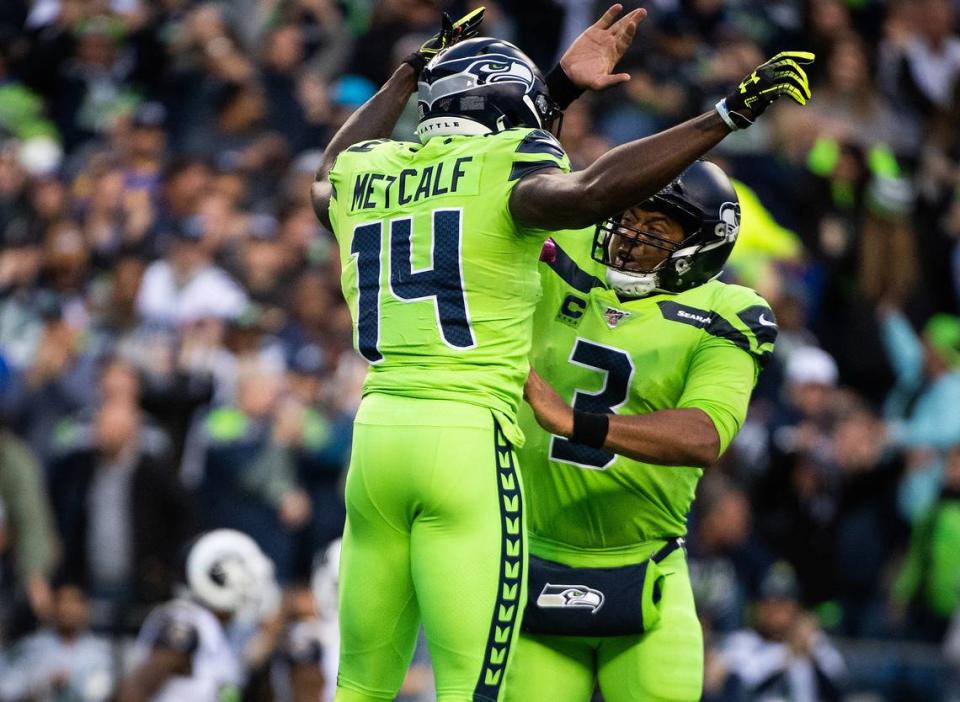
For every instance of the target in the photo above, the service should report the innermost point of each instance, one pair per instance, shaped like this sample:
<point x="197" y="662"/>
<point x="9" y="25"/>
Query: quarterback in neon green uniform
<point x="657" y="360"/>
<point x="439" y="244"/>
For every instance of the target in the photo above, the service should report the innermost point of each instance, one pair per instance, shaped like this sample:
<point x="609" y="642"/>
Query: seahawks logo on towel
<point x="577" y="596"/>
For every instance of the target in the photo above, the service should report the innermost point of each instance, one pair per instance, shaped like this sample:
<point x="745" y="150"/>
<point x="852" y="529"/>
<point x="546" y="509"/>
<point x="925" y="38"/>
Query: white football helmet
<point x="227" y="572"/>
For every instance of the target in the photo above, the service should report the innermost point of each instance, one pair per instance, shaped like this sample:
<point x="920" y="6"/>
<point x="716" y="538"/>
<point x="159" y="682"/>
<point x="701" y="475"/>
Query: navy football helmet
<point x="482" y="86"/>
<point x="703" y="201"/>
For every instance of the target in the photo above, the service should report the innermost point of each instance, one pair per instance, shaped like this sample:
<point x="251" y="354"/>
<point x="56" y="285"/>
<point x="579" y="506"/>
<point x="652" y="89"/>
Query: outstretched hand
<point x="783" y="75"/>
<point x="450" y="33"/>
<point x="592" y="56"/>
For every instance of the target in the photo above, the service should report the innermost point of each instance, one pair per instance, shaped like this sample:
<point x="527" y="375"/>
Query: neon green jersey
<point x="701" y="348"/>
<point x="440" y="281"/>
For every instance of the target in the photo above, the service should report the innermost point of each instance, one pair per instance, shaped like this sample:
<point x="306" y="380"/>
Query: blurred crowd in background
<point x="175" y="354"/>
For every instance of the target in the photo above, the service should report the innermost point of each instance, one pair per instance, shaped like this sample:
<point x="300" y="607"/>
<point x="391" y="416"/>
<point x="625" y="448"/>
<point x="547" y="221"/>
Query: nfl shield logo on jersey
<point x="614" y="317"/>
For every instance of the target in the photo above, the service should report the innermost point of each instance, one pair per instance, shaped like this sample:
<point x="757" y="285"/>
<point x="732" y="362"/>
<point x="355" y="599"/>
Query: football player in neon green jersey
<point x="439" y="244"/>
<point x="657" y="359"/>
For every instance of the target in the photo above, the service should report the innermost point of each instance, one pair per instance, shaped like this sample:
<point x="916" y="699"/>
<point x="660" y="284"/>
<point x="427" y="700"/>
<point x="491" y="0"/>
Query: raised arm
<point x="631" y="173"/>
<point x="586" y="65"/>
<point x="377" y="117"/>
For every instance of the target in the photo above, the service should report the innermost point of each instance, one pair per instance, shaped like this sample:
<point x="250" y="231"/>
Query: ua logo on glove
<point x="752" y="78"/>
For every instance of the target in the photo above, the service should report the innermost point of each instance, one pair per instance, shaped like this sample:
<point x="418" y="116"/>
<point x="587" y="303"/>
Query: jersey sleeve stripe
<point x="540" y="142"/>
<point x="760" y="320"/>
<point x="572" y="274"/>
<point x="710" y="322"/>
<point x="521" y="169"/>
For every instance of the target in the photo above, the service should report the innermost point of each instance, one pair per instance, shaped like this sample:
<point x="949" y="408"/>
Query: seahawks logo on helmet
<point x="570" y="596"/>
<point x="704" y="202"/>
<point x="474" y="72"/>
<point x="482" y="86"/>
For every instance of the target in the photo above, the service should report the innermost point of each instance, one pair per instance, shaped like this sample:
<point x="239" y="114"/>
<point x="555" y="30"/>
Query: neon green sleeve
<point x="719" y="382"/>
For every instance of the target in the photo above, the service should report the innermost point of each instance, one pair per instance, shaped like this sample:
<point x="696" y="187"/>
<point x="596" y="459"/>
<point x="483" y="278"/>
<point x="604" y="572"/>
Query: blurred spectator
<point x="725" y="561"/>
<point x="922" y="63"/>
<point x="292" y="653"/>
<point x="919" y="408"/>
<point x="321" y="454"/>
<point x="123" y="516"/>
<point x="236" y="139"/>
<point x="57" y="380"/>
<point x="186" y="286"/>
<point x="119" y="383"/>
<point x="186" y="181"/>
<point x="797" y="498"/>
<point x="63" y="661"/>
<point x="929" y="583"/>
<point x="23" y="113"/>
<point x="250" y="480"/>
<point x="786" y="655"/>
<point x="93" y="81"/>
<point x="265" y="262"/>
<point x="26" y="527"/>
<point x="951" y="651"/>
<point x="849" y="107"/>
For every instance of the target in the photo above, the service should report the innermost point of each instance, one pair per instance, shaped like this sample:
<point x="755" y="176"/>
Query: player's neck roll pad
<point x="566" y="601"/>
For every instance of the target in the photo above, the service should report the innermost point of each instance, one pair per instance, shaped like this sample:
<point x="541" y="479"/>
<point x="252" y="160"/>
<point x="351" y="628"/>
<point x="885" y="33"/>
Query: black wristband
<point x="417" y="61"/>
<point x="561" y="88"/>
<point x="590" y="429"/>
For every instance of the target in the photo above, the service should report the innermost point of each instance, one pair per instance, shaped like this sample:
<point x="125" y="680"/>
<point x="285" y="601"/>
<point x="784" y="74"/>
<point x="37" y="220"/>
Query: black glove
<point x="781" y="75"/>
<point x="450" y="33"/>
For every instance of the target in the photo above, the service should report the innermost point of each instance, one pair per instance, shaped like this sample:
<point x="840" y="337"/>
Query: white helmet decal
<point x="728" y="228"/>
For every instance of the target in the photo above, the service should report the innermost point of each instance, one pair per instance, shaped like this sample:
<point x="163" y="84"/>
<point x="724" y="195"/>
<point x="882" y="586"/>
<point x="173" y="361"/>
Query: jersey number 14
<point x="442" y="281"/>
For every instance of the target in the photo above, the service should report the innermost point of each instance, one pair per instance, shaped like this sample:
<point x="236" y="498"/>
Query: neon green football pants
<point x="664" y="665"/>
<point x="435" y="533"/>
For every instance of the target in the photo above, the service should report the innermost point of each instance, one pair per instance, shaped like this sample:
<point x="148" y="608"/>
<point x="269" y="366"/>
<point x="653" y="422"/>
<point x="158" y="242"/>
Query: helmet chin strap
<point x="633" y="284"/>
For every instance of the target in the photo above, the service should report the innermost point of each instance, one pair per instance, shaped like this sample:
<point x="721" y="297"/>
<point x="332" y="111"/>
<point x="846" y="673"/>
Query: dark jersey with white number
<point x="440" y="280"/>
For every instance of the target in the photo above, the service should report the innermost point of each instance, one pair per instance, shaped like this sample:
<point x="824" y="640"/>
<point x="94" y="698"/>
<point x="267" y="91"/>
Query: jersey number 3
<point x="442" y="282"/>
<point x="617" y="368"/>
